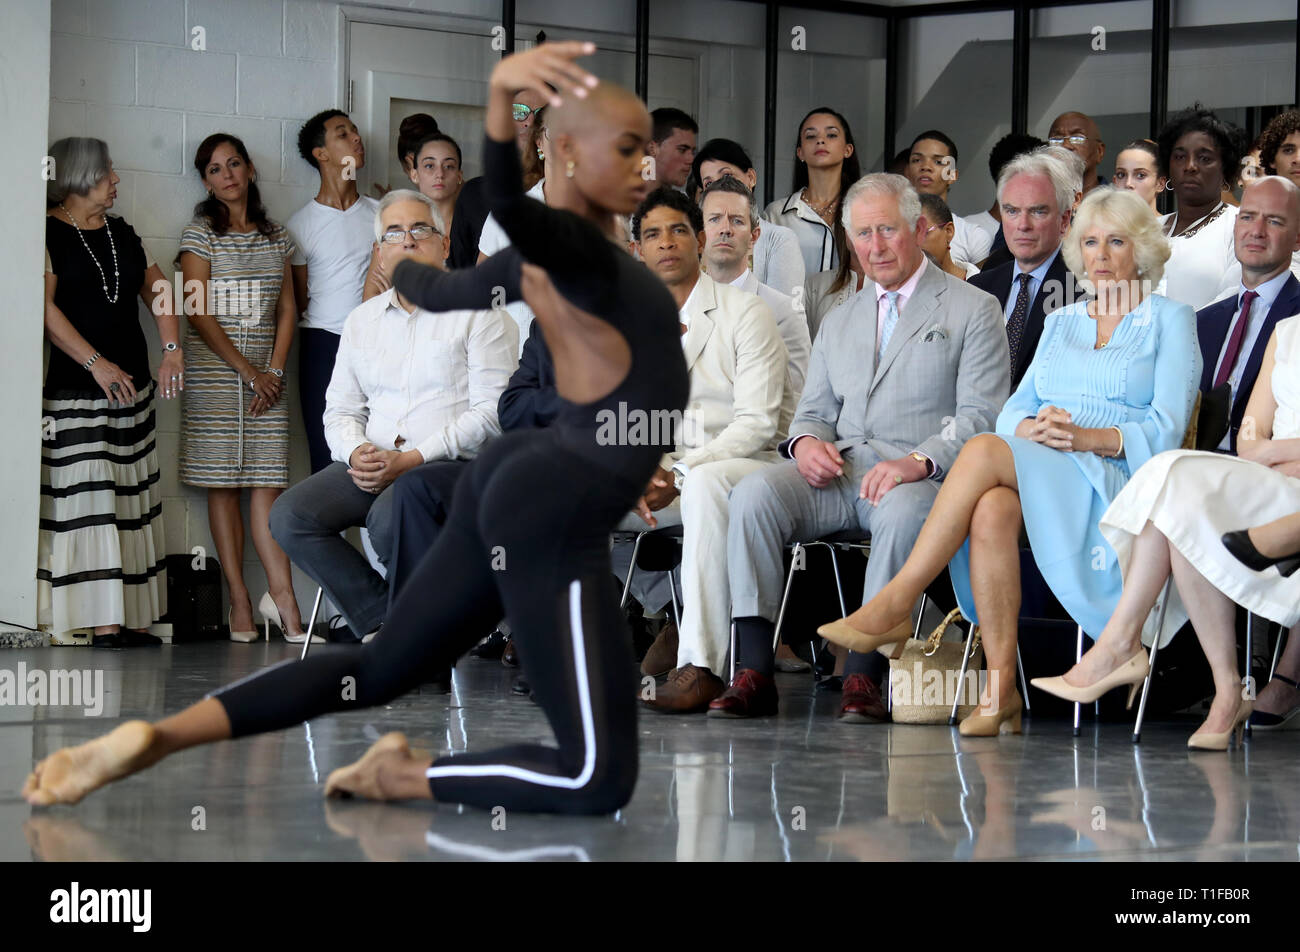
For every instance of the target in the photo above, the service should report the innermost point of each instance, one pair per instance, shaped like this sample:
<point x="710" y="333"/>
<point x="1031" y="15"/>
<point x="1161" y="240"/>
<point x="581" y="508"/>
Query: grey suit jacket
<point x="942" y="379"/>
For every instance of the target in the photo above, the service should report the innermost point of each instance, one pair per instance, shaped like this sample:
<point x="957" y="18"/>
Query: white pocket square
<point x="934" y="333"/>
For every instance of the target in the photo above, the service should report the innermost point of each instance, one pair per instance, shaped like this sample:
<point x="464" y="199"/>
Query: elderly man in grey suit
<point x="901" y="376"/>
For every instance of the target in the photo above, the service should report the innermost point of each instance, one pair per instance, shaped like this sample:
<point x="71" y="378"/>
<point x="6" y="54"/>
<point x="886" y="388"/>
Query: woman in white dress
<point x="1172" y="515"/>
<point x="1199" y="151"/>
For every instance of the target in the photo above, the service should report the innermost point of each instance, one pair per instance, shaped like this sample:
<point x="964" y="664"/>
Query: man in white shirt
<point x="738" y="371"/>
<point x="333" y="234"/>
<point x="776" y="259"/>
<point x="409" y="389"/>
<point x="672" y="147"/>
<point x="932" y="168"/>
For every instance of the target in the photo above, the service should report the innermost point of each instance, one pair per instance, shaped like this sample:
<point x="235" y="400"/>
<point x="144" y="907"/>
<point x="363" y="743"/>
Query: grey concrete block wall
<point x="124" y="71"/>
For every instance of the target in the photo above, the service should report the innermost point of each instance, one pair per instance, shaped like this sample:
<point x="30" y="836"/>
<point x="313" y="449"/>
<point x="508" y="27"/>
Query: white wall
<point x="24" y="87"/>
<point x="123" y="70"/>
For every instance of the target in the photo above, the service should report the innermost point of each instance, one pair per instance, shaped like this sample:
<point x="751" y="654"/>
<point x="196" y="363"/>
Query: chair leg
<point x="1024" y="681"/>
<point x="1277" y="650"/>
<point x="733" y="652"/>
<point x="839" y="589"/>
<point x="795" y="554"/>
<point x="315" y="609"/>
<point x="672" y="588"/>
<point x="1078" y="656"/>
<point x="961" y="678"/>
<point x="627" y="582"/>
<point x="1155" y="648"/>
<point x="1248" y="680"/>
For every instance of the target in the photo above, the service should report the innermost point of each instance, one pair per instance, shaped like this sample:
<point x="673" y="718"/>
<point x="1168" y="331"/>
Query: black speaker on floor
<point x="194" y="602"/>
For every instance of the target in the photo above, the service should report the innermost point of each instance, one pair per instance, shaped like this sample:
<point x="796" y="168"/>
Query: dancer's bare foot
<point x="1098" y="661"/>
<point x="388" y="771"/>
<point x="69" y="774"/>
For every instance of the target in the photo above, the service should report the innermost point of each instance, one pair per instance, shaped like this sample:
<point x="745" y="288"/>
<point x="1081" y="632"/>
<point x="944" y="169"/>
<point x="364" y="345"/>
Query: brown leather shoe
<point x="751" y="695"/>
<point x="861" y="702"/>
<point x="510" y="655"/>
<point x="688" y="690"/>
<point x="662" y="656"/>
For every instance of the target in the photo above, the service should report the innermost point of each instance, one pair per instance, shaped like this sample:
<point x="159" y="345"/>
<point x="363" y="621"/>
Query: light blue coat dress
<point x="1144" y="381"/>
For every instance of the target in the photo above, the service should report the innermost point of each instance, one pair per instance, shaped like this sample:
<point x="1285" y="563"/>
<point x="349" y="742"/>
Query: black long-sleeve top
<point x="626" y="432"/>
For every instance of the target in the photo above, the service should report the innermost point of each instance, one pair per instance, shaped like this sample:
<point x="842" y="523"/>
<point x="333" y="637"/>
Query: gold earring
<point x="568" y="168"/>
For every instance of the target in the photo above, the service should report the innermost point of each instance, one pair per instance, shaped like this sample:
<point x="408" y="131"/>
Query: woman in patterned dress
<point x="100" y="557"/>
<point x="235" y="420"/>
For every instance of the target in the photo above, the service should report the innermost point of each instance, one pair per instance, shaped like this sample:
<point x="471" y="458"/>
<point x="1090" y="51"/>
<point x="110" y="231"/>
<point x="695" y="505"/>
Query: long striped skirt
<point x="101" y="553"/>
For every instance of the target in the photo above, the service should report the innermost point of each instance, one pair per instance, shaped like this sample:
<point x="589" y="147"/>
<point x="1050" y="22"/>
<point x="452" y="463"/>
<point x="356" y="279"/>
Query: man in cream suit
<point x="731" y="225"/>
<point x="900" y="377"/>
<point x="737" y="366"/>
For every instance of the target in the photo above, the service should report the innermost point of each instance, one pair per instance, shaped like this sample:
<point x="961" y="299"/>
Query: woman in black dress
<point x="528" y="533"/>
<point x="100" y="559"/>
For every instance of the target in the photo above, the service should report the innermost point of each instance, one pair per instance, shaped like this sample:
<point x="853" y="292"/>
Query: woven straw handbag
<point x="923" y="678"/>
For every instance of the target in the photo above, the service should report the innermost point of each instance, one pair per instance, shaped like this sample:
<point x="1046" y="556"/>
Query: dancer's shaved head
<point x="606" y="105"/>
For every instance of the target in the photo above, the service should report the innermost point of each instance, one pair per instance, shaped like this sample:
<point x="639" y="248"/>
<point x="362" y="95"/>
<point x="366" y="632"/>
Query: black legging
<point x="527" y="538"/>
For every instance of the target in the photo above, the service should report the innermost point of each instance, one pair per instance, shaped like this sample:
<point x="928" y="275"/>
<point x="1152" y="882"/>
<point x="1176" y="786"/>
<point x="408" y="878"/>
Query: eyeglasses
<point x="522" y="112"/>
<point x="1062" y="140"/>
<point x="395" y="236"/>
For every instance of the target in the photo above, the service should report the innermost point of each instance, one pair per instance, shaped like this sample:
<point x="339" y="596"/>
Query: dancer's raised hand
<point x="543" y="67"/>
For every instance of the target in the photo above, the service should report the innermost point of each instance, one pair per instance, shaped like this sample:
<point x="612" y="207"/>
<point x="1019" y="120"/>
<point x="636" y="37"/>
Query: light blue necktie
<point x="891" y="319"/>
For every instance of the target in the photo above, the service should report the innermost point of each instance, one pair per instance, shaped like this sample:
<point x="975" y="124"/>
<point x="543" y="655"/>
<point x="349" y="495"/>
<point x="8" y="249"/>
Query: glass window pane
<point x="1237" y="59"/>
<point x="1093" y="59"/>
<point x="955" y="76"/>
<point x="835" y="60"/>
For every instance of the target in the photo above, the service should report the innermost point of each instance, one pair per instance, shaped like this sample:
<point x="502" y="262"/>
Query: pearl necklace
<point x="117" y="284"/>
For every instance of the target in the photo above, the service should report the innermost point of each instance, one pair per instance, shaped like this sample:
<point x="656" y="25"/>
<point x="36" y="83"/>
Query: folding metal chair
<point x="668" y="532"/>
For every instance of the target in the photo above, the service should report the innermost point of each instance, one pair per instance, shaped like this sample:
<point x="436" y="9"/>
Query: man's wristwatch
<point x="275" y="373"/>
<point x="924" y="461"/>
<point x="171" y="345"/>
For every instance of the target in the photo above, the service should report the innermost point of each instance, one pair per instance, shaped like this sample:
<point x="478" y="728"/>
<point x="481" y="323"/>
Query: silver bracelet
<point x="89" y="363"/>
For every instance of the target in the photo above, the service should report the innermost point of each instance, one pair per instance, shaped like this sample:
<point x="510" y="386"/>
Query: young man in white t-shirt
<point x="334" y="235"/>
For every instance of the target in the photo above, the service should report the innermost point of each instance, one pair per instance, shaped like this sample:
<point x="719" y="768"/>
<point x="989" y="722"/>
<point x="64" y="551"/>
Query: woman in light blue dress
<point x="1112" y="383"/>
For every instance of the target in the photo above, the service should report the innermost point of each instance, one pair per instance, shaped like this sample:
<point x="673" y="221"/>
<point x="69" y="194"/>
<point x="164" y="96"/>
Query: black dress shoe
<point x="114" y="641"/>
<point x="139" y="639"/>
<point x="521" y="687"/>
<point x="490" y="647"/>
<point x="337" y="632"/>
<point x="834" y="684"/>
<point x="1239" y="544"/>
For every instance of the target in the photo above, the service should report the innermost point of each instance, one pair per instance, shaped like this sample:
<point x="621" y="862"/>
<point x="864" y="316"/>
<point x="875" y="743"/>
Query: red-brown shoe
<point x="688" y="690"/>
<point x="661" y="657"/>
<point x="861" y="702"/>
<point x="751" y="695"/>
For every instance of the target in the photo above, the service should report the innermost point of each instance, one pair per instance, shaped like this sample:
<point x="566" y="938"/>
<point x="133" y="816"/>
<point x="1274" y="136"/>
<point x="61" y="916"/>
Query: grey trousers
<point x="776" y="506"/>
<point x="306" y="520"/>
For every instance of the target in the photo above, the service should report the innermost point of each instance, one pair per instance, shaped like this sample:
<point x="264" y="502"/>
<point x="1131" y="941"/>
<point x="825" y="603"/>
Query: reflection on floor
<point x="798" y="787"/>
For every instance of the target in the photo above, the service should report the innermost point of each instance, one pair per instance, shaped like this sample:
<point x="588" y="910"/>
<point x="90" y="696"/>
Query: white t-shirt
<point x="493" y="239"/>
<point x="970" y="245"/>
<point x="335" y="246"/>
<point x="1202" y="268"/>
<point x="985" y="223"/>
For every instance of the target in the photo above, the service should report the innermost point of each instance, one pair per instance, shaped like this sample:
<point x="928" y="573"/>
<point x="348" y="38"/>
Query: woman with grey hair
<point x="100" y="557"/>
<point x="1112" y="384"/>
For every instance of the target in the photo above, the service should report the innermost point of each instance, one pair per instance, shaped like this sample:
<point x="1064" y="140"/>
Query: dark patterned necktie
<point x="1016" y="323"/>
<point x="1233" y="349"/>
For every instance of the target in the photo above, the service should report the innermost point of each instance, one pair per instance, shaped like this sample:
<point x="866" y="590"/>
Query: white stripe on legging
<point x="588" y="722"/>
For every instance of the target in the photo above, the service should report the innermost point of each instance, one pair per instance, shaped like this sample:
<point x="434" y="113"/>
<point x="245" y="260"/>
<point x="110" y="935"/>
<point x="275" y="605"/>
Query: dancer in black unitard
<point x="527" y="536"/>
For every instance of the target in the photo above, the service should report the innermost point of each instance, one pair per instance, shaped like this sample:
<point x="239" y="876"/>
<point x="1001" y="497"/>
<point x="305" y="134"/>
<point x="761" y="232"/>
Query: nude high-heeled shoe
<point x="1003" y="720"/>
<point x="1132" y="672"/>
<point x="840" y="632"/>
<point x="1220" y="741"/>
<point x="241" y="636"/>
<point x="271" y="615"/>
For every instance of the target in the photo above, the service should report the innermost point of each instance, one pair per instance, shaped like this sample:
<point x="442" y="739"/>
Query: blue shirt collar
<point x="1268" y="291"/>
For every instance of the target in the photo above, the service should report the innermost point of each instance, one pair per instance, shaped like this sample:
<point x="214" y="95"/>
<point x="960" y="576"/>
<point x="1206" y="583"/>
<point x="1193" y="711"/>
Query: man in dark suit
<point x="1234" y="332"/>
<point x="1036" y="194"/>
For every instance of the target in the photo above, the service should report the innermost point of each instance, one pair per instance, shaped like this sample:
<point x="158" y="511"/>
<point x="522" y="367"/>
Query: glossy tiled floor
<point x="800" y="787"/>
